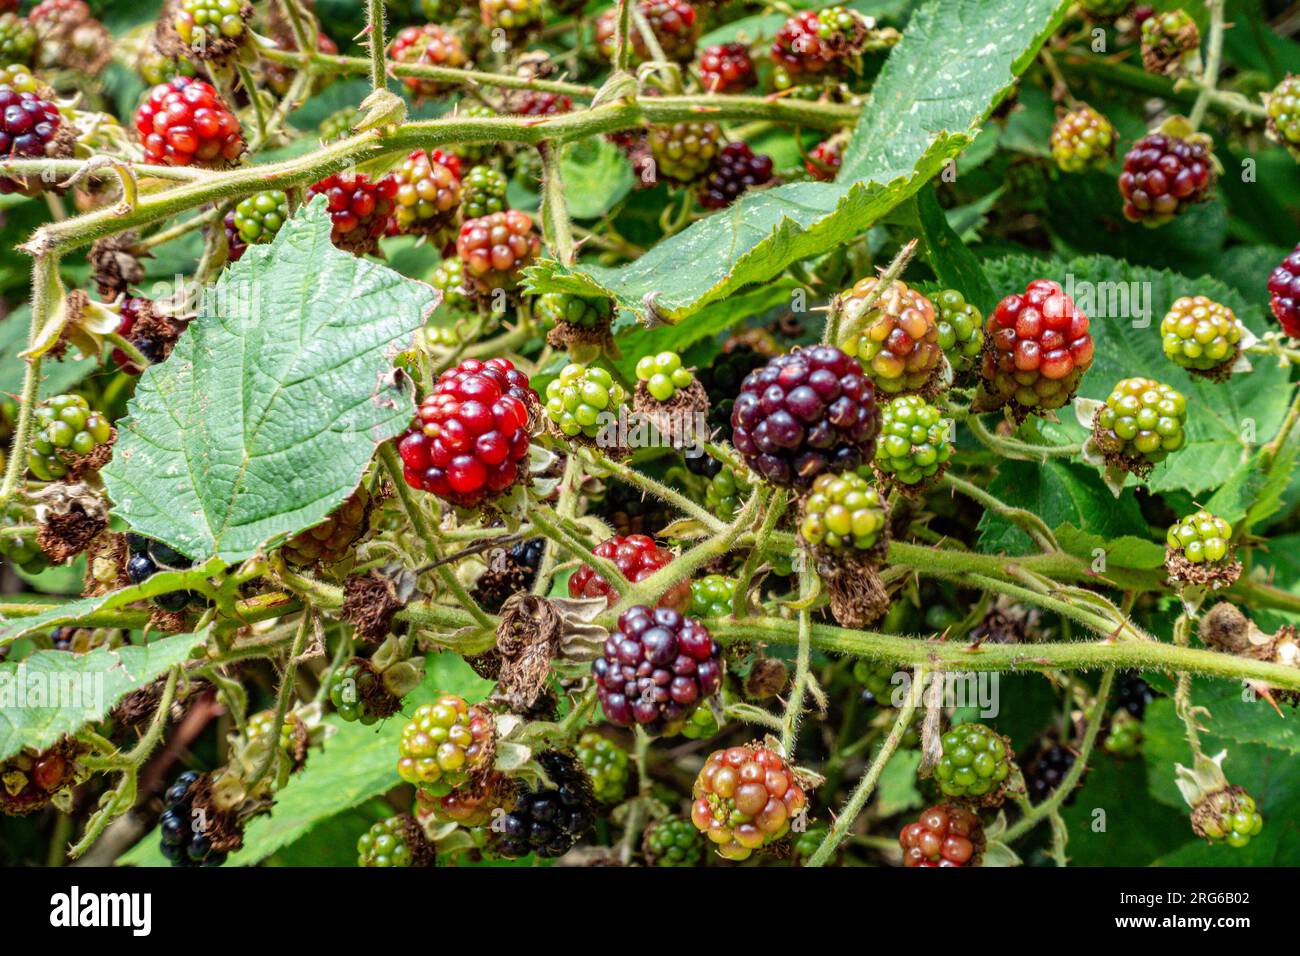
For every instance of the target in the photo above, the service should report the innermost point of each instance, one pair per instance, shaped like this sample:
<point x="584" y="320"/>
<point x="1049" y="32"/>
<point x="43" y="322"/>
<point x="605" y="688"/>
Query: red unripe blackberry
<point x="495" y="249"/>
<point x="359" y="208"/>
<point x="896" y="339"/>
<point x="471" y="433"/>
<point x="29" y="128"/>
<point x="805" y="413"/>
<point x="656" y="668"/>
<point x="428" y="193"/>
<point x="735" y="170"/>
<point x="637" y="557"/>
<point x="825" y="159"/>
<point x="428" y="45"/>
<point x="1162" y="176"/>
<point x="1037" y="348"/>
<point x="184" y="122"/>
<point x="816" y="41"/>
<point x="1284" y="293"/>
<point x="727" y="68"/>
<point x="673" y="23"/>
<point x="534" y="103"/>
<point x="943" y="835"/>
<point x="745" y="798"/>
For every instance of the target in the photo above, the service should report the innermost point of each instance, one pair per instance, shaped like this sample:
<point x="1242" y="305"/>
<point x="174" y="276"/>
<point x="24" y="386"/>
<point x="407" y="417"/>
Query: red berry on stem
<point x="359" y="208"/>
<point x="727" y="68"/>
<point x="495" y="249"/>
<point x="1284" y="292"/>
<point x="637" y="557"/>
<point x="183" y="122"/>
<point x="943" y="836"/>
<point x="1162" y="176"/>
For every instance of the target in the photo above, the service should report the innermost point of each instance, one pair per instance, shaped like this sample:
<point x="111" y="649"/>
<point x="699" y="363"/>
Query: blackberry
<point x="655" y="669"/>
<point x="805" y="844"/>
<point x="1140" y="424"/>
<point x="684" y="152"/>
<point x="516" y="17"/>
<point x="384" y="844"/>
<point x="428" y="194"/>
<point x="32" y="779"/>
<point x="896" y="339"/>
<point x="812" y="43"/>
<point x="199" y="22"/>
<point x="1082" y="139"/>
<point x="359" y="209"/>
<point x="1047" y="771"/>
<point x="1284" y="293"/>
<point x="723" y="377"/>
<point x="184" y="122"/>
<point x="745" y="798"/>
<point x="726" y="494"/>
<point x="673" y="22"/>
<point x="257" y="218"/>
<point x="735" y="170"/>
<point x="495" y="249"/>
<point x="261" y="724"/>
<point x="663" y="375"/>
<point x="607" y="764"/>
<point x="1283" y="106"/>
<point x="1132" y="693"/>
<point x="587" y="312"/>
<point x="338" y="125"/>
<point x="915" y="441"/>
<point x="1170" y="42"/>
<point x="66" y="430"/>
<point x="843" y="512"/>
<point x="637" y="557"/>
<point x="428" y="45"/>
<point x="1227" y="816"/>
<point x="975" y="765"/>
<point x="184" y="841"/>
<point x="235" y="244"/>
<point x="18" y="40"/>
<point x="711" y="596"/>
<point x="727" y="68"/>
<point x="702" y="724"/>
<point x="1163" y="175"/>
<point x="961" y="329"/>
<point x="1201" y="335"/>
<point x="825" y="159"/>
<point x="30" y="127"/>
<point x="155" y="68"/>
<point x="444" y="744"/>
<point x="331" y="540"/>
<point x="449" y="277"/>
<point x="350" y="690"/>
<point x="805" y="413"/>
<point x="21" y="549"/>
<point x="673" y="841"/>
<point x="146" y="558"/>
<point x="19" y="78"/>
<point x="471" y="806"/>
<point x="577" y="399"/>
<point x="483" y="192"/>
<point x="1037" y="347"/>
<point x="511" y="571"/>
<point x="548" y="820"/>
<point x="143" y="326"/>
<point x="1202" y="538"/>
<point x="945" y="835"/>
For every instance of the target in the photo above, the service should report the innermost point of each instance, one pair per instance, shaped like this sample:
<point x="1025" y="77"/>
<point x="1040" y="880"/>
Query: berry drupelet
<point x="184" y="122"/>
<point x="804" y="413"/>
<point x="655" y="669"/>
<point x="472" y="433"/>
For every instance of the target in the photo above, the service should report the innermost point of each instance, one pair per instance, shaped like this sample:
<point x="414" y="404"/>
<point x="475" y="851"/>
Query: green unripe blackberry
<point x="1141" y="422"/>
<point x="877" y="680"/>
<point x="805" y="844"/>
<point x="575" y="400"/>
<point x="1200" y="334"/>
<point x="606" y="764"/>
<point x="711" y="596"/>
<point x="1105" y="8"/>
<point x="19" y="78"/>
<point x="348" y="691"/>
<point x="449" y="277"/>
<point x="443" y="744"/>
<point x="65" y="427"/>
<point x="961" y="329"/>
<point x="663" y="374"/>
<point x="914" y="442"/>
<point x="259" y="217"/>
<point x="843" y="511"/>
<point x="726" y="494"/>
<point x="975" y="765"/>
<point x="474" y="153"/>
<point x="684" y="152"/>
<point x="702" y="723"/>
<point x="586" y="312"/>
<point x="384" y="844"/>
<point x="1124" y="735"/>
<point x="1284" y="112"/>
<point x="1204" y="538"/>
<point x="1082" y="139"/>
<point x="17" y="39"/>
<point x="338" y="124"/>
<point x="1227" y="816"/>
<point x="202" y="21"/>
<point x="155" y="68"/>
<point x="261" y="724"/>
<point x="839" y="23"/>
<point x="1170" y="41"/>
<point x="21" y="549"/>
<point x="483" y="192"/>
<point x="674" y="841"/>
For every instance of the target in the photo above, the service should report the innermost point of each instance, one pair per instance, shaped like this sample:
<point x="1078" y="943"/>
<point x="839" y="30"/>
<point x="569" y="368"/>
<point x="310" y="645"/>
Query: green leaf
<point x="1254" y="494"/>
<point x="1125" y="551"/>
<point x="954" y="264"/>
<point x="905" y="135"/>
<point x="274" y="399"/>
<point x="897" y="791"/>
<point x="77" y="689"/>
<point x="596" y="177"/>
<point x="1226" y="421"/>
<point x="57" y="377"/>
<point x="354" y="764"/>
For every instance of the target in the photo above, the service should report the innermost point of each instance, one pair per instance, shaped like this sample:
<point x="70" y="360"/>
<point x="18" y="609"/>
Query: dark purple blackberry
<point x="804" y="413"/>
<point x="656" y="669"/>
<point x="235" y="244"/>
<point x="1132" y="693"/>
<point x="510" y="571"/>
<point x="183" y="842"/>
<point x="1044" y="773"/>
<point x="148" y="557"/>
<point x="548" y="821"/>
<point x="1284" y="293"/>
<point x="1162" y="176"/>
<point x="735" y="169"/>
<point x="704" y="465"/>
<point x="28" y="128"/>
<point x="630" y="511"/>
<point x="723" y="377"/>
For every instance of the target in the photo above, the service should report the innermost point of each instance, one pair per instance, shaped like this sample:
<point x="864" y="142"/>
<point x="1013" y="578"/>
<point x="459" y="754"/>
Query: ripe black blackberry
<point x="722" y="379"/>
<point x="735" y="170"/>
<point x="548" y="821"/>
<point x="629" y="511"/>
<point x="1045" y="772"/>
<point x="510" y="572"/>
<point x="1132" y="693"/>
<point x="148" y="557"/>
<point x="184" y="843"/>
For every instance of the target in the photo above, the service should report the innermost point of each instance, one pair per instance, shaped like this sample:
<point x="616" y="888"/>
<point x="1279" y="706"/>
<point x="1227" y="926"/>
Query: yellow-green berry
<point x="914" y="442"/>
<point x="576" y="400"/>
<point x="1203" y="537"/>
<point x="843" y="511"/>
<point x="663" y="374"/>
<point x="65" y="427"/>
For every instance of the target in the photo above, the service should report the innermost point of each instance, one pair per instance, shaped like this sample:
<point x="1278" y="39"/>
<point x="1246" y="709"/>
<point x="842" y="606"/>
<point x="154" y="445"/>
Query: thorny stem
<point x="375" y="27"/>
<point x="1214" y="56"/>
<point x="659" y="490"/>
<point x="44" y="274"/>
<point x="834" y="330"/>
<point x="867" y="785"/>
<point x="1027" y="521"/>
<point x="799" y="686"/>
